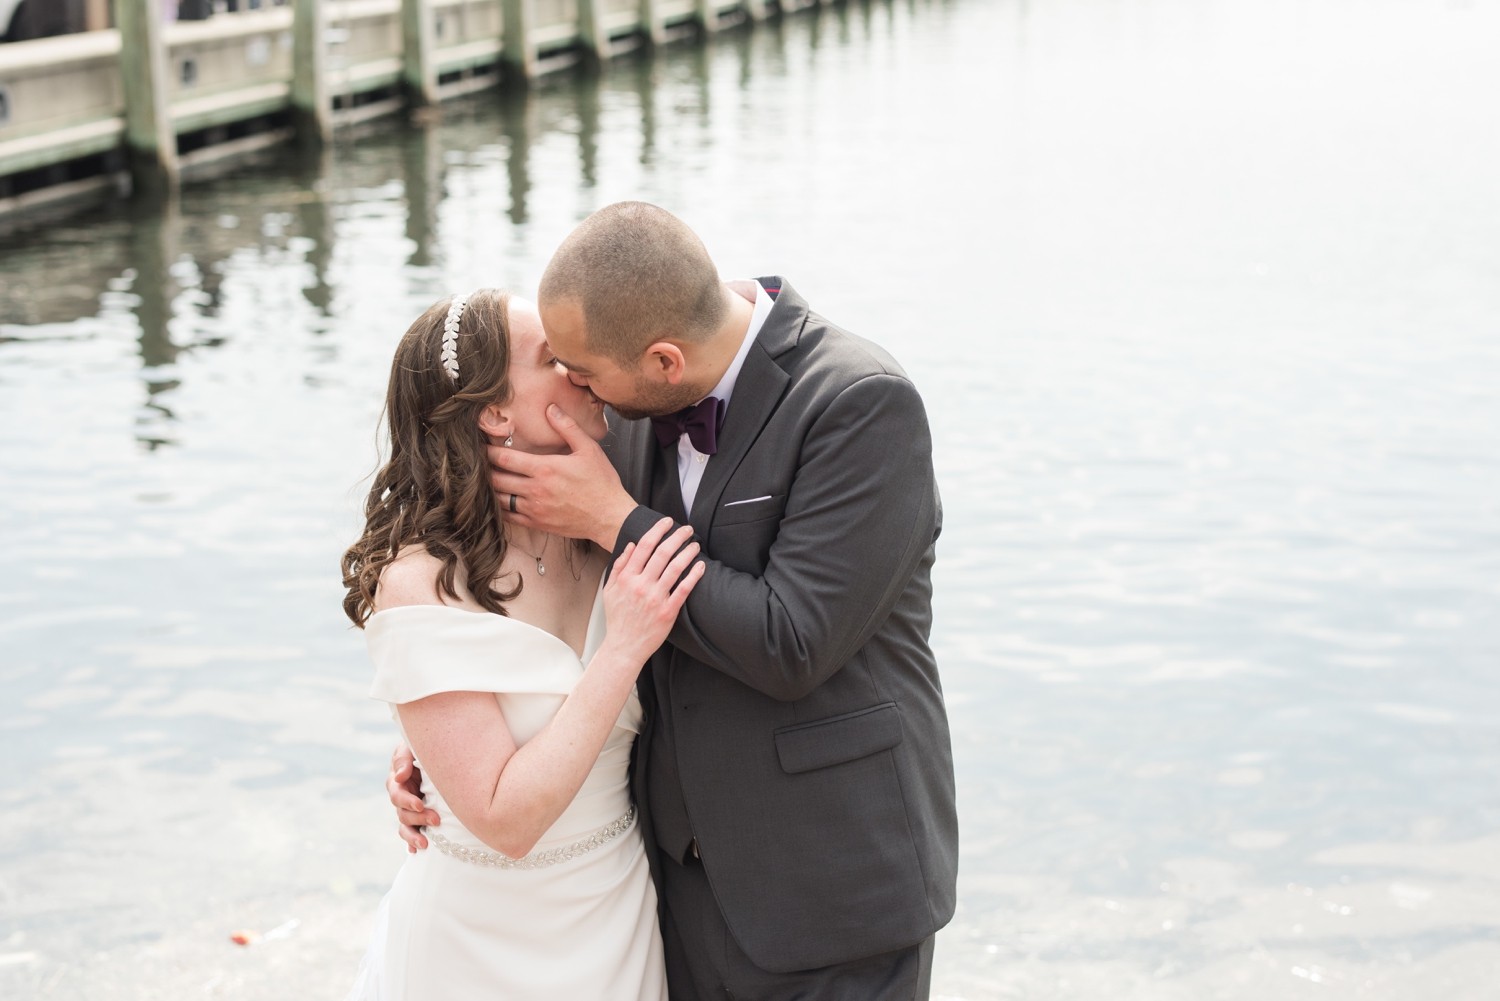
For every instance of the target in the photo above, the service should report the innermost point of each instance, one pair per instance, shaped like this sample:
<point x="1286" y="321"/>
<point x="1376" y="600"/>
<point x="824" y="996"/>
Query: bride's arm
<point x="507" y="797"/>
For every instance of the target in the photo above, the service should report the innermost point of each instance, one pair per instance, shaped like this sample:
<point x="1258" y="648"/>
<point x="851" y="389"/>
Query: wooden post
<point x="149" y="136"/>
<point x="317" y="223"/>
<point x="646" y="93"/>
<point x="589" y="112"/>
<point x="756" y="9"/>
<point x="422" y="160"/>
<point x="593" y="38"/>
<point x="154" y="246"/>
<point x="516" y="125"/>
<point x="312" y="110"/>
<point x="708" y="16"/>
<point x="518" y="52"/>
<point x="653" y="25"/>
<point x="420" y="71"/>
<point x="95" y="15"/>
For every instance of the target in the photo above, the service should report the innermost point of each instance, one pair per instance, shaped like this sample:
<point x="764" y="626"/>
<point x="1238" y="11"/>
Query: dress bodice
<point x="421" y="650"/>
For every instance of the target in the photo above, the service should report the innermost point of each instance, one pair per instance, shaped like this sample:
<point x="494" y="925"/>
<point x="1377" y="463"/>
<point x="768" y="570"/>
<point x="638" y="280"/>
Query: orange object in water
<point x="244" y="937"/>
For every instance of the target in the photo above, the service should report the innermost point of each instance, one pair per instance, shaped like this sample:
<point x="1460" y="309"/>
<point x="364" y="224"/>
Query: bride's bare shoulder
<point x="411" y="579"/>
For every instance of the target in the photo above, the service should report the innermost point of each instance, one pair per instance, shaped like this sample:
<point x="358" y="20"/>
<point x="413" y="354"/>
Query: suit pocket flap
<point x="837" y="739"/>
<point x="756" y="508"/>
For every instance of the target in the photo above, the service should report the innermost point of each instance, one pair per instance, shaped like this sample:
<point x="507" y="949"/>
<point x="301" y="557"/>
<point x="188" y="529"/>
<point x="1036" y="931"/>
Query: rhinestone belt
<point x="537" y="860"/>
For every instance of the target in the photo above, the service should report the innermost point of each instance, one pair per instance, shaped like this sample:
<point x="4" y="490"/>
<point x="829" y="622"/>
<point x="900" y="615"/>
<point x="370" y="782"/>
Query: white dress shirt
<point x="690" y="461"/>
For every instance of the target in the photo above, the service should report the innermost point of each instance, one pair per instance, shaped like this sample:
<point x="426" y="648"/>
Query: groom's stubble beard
<point x="656" y="399"/>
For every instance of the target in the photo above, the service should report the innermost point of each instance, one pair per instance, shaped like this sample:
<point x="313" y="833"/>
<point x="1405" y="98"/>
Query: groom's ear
<point x="494" y="421"/>
<point x="664" y="362"/>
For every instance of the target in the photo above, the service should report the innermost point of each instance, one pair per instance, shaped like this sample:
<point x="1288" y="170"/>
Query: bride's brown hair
<point x="435" y="489"/>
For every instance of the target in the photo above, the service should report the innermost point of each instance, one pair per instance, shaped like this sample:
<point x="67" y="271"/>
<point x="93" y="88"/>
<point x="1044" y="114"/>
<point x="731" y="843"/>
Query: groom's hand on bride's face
<point x="577" y="495"/>
<point x="404" y="785"/>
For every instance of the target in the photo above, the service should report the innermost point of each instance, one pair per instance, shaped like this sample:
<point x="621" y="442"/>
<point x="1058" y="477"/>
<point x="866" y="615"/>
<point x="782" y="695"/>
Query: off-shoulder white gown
<point x="575" y="920"/>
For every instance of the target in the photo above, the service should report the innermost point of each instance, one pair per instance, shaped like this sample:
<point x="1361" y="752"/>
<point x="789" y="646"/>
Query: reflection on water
<point x="1202" y="299"/>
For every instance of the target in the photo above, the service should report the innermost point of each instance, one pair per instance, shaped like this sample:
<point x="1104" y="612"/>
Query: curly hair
<point x="434" y="491"/>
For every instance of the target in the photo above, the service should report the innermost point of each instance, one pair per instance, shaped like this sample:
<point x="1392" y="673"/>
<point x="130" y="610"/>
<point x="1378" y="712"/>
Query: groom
<point x="794" y="780"/>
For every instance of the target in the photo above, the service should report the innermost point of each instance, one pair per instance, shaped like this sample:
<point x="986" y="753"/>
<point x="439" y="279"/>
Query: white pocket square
<point x="752" y="500"/>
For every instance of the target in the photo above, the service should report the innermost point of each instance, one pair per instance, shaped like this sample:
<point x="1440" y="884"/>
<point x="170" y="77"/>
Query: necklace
<point x="541" y="568"/>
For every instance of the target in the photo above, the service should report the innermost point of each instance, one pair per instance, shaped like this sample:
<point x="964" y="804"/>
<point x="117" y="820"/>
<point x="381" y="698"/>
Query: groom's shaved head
<point x="640" y="275"/>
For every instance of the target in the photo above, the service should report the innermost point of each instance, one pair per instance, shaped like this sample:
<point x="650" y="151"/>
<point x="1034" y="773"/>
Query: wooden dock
<point x="138" y="106"/>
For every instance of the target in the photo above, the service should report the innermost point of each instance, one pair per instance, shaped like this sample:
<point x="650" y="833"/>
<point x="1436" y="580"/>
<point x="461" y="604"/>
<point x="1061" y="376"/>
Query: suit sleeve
<point x="861" y="513"/>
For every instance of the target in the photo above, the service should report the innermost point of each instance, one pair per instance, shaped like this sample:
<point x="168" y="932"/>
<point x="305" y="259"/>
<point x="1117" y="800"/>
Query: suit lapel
<point x="666" y="488"/>
<point x="756" y="395"/>
<point x="629" y="448"/>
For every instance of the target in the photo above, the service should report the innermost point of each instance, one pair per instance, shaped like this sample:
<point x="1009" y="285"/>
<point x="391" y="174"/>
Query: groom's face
<point x="634" y="391"/>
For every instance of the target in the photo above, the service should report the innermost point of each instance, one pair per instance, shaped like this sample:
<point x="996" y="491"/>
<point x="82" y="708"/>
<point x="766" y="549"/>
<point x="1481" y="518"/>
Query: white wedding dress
<point x="575" y="920"/>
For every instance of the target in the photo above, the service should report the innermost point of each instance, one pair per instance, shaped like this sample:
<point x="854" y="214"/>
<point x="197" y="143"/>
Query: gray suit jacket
<point x="798" y="687"/>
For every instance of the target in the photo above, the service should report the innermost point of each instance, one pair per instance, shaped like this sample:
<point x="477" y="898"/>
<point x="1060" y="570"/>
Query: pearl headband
<point x="450" y="336"/>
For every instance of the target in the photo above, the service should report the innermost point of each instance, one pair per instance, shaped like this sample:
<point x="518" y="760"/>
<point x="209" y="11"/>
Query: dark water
<point x="1204" y="298"/>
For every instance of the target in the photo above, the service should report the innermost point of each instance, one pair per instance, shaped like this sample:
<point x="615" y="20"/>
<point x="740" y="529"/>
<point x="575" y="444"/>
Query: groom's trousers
<point x="704" y="963"/>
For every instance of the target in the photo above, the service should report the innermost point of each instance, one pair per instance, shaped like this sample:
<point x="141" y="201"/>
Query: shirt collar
<point x="763" y="303"/>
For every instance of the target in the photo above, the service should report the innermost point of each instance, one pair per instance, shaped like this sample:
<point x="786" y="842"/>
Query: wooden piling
<point x="653" y="23"/>
<point x="593" y="37"/>
<point x="312" y="110"/>
<point x="95" y="15"/>
<point x="422" y="160"/>
<point x="419" y="71"/>
<point x="518" y="51"/>
<point x="518" y="108"/>
<point x="756" y="9"/>
<point x="149" y="137"/>
<point x="155" y="243"/>
<point x="708" y="16"/>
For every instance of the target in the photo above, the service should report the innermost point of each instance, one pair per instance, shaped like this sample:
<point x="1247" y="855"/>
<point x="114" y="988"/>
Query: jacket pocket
<point x="753" y="509"/>
<point x="838" y="739"/>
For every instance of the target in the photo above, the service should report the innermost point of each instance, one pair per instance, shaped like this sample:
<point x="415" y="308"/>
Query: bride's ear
<point x="495" y="422"/>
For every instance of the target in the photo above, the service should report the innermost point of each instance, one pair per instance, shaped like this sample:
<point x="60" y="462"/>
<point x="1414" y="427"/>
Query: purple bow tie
<point x="700" y="423"/>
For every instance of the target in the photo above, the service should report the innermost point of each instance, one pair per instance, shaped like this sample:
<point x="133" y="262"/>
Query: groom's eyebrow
<point x="571" y="368"/>
<point x="547" y="356"/>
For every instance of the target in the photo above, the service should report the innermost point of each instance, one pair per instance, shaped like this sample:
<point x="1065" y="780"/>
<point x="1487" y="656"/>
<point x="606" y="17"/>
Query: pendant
<point x="541" y="571"/>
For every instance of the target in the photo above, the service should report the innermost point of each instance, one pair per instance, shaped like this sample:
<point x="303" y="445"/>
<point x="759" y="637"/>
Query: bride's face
<point x="537" y="381"/>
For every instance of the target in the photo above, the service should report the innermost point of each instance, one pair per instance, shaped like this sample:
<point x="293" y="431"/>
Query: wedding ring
<point x="512" y="503"/>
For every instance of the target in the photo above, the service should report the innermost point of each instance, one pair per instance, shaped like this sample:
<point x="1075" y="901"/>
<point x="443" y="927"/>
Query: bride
<point x="511" y="671"/>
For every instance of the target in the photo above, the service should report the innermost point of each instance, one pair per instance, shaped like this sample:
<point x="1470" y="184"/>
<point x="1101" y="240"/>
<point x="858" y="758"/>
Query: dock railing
<point x="142" y="103"/>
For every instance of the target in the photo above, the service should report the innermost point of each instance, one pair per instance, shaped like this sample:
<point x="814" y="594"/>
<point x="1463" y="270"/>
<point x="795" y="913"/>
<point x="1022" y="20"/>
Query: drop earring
<point x="510" y="440"/>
